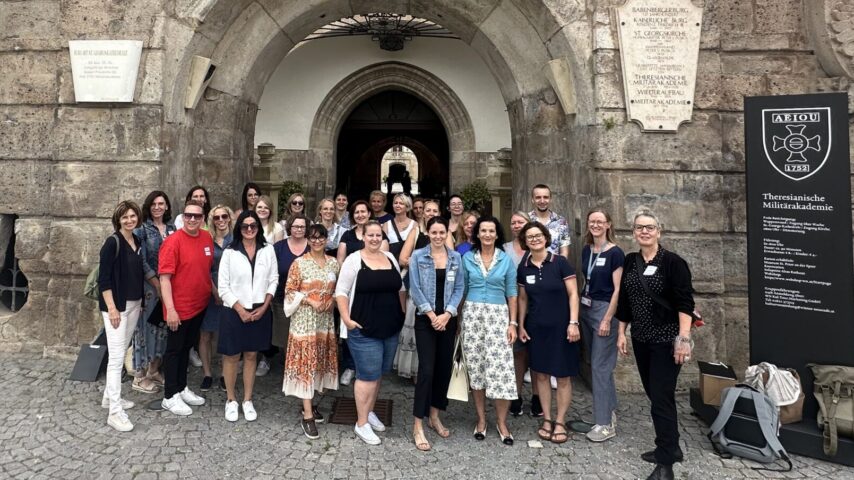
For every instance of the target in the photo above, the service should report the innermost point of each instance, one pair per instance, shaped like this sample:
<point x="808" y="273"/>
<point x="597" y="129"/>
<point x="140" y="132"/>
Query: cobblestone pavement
<point x="55" y="428"/>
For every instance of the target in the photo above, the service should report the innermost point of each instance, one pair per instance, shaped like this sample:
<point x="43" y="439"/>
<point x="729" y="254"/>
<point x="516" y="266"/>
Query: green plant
<point x="610" y="123"/>
<point x="476" y="195"/>
<point x="289" y="187"/>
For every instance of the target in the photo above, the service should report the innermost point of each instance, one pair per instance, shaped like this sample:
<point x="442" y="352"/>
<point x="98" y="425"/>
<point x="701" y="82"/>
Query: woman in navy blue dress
<point x="548" y="321"/>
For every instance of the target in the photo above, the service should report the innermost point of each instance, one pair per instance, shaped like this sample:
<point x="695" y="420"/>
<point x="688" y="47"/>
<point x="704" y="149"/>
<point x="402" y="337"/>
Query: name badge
<point x="331" y="277"/>
<point x="600" y="262"/>
<point x="451" y="276"/>
<point x="530" y="279"/>
<point x="586" y="301"/>
<point x="207" y="251"/>
<point x="650" y="270"/>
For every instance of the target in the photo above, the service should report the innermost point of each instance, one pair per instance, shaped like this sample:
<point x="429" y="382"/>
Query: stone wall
<point x="64" y="166"/>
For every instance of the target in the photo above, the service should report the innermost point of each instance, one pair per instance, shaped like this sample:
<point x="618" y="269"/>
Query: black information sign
<point x="799" y="232"/>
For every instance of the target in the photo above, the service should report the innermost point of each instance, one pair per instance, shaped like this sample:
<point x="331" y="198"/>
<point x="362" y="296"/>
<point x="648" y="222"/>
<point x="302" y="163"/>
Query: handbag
<point x="458" y="388"/>
<point x="834" y="389"/>
<point x="156" y="317"/>
<point x="783" y="387"/>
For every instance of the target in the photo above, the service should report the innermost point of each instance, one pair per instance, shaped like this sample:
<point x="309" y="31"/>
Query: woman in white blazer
<point x="248" y="277"/>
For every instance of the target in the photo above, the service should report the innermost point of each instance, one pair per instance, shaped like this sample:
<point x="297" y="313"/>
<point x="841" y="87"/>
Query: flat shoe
<point x="440" y="429"/>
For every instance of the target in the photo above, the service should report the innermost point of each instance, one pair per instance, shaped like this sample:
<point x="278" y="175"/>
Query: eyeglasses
<point x="297" y="202"/>
<point x="219" y="218"/>
<point x="536" y="236"/>
<point x="247" y="227"/>
<point x="298" y="227"/>
<point x="646" y="228"/>
<point x="317" y="239"/>
<point x="193" y="216"/>
<point x="596" y="223"/>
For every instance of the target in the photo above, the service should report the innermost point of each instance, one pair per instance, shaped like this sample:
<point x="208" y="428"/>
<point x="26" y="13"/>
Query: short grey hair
<point x="646" y="212"/>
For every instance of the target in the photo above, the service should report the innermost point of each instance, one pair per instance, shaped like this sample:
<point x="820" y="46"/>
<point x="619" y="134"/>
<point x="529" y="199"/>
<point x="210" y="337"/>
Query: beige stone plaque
<point x="104" y="70"/>
<point x="659" y="46"/>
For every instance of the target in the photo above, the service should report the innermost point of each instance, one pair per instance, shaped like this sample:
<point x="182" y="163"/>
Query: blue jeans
<point x="373" y="356"/>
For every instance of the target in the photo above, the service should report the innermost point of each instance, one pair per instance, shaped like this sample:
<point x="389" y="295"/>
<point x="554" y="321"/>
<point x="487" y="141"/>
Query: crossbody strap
<point x="656" y="297"/>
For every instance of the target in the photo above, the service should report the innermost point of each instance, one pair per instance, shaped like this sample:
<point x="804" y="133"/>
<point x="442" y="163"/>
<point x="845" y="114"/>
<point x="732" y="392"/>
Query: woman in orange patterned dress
<point x="312" y="360"/>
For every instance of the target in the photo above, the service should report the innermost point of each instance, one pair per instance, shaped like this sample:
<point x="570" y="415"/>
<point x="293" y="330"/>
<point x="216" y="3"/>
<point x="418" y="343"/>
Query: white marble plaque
<point x="104" y="70"/>
<point x="659" y="46"/>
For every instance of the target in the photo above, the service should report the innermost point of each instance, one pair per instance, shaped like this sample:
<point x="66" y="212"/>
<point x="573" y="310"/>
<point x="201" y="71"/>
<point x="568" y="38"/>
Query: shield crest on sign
<point x="796" y="140"/>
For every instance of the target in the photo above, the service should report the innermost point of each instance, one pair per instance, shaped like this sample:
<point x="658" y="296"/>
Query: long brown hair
<point x="609" y="233"/>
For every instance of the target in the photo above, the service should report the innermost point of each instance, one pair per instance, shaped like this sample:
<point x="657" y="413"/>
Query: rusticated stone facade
<point x="63" y="166"/>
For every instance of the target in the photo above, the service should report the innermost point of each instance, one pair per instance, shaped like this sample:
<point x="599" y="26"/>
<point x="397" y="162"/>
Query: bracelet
<point x="574" y="323"/>
<point x="680" y="339"/>
<point x="515" y="324"/>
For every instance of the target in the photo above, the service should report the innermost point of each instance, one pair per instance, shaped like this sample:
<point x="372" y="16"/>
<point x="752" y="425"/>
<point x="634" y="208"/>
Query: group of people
<point x="397" y="289"/>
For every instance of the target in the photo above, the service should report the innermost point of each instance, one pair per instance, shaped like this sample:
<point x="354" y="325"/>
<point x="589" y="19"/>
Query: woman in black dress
<point x="656" y="298"/>
<point x="548" y="322"/>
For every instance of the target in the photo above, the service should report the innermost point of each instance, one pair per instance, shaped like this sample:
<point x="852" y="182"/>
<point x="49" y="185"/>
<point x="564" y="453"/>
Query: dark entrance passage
<point x="381" y="122"/>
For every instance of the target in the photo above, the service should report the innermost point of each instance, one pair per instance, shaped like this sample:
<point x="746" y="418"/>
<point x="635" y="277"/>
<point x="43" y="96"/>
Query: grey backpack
<point x="739" y="430"/>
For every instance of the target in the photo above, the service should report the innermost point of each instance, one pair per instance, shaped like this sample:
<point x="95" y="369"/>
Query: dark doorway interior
<point x="382" y="121"/>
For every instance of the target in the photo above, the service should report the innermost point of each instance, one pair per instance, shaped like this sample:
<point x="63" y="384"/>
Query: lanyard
<point x="591" y="262"/>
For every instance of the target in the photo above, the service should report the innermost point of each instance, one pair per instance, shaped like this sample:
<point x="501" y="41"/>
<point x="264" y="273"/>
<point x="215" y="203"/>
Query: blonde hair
<point x="323" y="200"/>
<point x="609" y="233"/>
<point x="212" y="227"/>
<point x="291" y="199"/>
<point x="520" y="213"/>
<point x="645" y="212"/>
<point x="461" y="232"/>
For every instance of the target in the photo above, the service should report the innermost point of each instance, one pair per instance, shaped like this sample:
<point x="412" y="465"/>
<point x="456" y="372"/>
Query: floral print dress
<point x="312" y="359"/>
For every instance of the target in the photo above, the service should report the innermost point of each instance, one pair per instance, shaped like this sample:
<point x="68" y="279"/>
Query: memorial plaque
<point x="104" y="70"/>
<point x="801" y="278"/>
<point x="659" y="46"/>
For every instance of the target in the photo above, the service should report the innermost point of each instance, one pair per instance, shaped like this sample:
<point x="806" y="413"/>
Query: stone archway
<point x="369" y="81"/>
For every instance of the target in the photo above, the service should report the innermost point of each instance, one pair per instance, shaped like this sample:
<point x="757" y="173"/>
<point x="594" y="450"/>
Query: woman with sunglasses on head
<point x="371" y="298"/>
<point x="149" y="340"/>
<point x="248" y="277"/>
<point x="270" y="230"/>
<point x="120" y="292"/>
<point x="311" y="362"/>
<point x="548" y="322"/>
<point x="220" y="228"/>
<point x="489" y="325"/>
<point x="656" y="299"/>
<point x="602" y="265"/>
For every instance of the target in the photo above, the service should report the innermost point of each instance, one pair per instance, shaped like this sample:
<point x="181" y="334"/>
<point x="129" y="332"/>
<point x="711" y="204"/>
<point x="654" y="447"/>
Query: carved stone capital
<point x="830" y="24"/>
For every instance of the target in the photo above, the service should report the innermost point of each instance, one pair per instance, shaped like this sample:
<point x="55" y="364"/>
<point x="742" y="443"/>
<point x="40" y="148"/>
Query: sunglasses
<point x="193" y="216"/>
<point x="317" y="239"/>
<point x="297" y="202"/>
<point x="247" y="227"/>
<point x="218" y="218"/>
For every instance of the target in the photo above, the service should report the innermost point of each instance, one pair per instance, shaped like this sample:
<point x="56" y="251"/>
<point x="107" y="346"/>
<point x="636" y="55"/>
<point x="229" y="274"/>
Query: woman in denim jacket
<point x="436" y="285"/>
<point x="149" y="341"/>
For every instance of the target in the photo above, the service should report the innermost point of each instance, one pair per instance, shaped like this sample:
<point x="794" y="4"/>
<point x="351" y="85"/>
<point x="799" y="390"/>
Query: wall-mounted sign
<point x="104" y="70"/>
<point x="659" y="46"/>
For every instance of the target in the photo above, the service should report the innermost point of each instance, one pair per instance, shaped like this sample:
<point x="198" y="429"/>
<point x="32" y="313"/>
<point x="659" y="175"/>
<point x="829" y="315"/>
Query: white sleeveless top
<point x="392" y="236"/>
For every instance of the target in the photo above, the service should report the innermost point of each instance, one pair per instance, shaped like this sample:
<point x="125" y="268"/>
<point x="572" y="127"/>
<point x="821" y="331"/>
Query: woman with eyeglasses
<point x="248" y="278"/>
<point x="311" y="364"/>
<point x="602" y="266"/>
<point x="548" y="322"/>
<point x="326" y="217"/>
<point x="287" y="251"/>
<point x="371" y="298"/>
<point x="149" y="340"/>
<point x="270" y="230"/>
<point x="656" y="299"/>
<point x="489" y="325"/>
<point x="220" y="228"/>
<point x="455" y="214"/>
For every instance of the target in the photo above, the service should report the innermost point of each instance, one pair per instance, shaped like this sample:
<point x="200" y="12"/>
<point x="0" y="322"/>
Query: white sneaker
<point x="263" y="368"/>
<point x="249" y="412"/>
<point x="375" y="422"/>
<point x="553" y="381"/>
<point x="126" y="404"/>
<point x="191" y="398"/>
<point x="600" y="433"/>
<point x="527" y="377"/>
<point x="120" y="422"/>
<point x="176" y="405"/>
<point x="366" y="433"/>
<point x="347" y="376"/>
<point x="231" y="411"/>
<point x="195" y="360"/>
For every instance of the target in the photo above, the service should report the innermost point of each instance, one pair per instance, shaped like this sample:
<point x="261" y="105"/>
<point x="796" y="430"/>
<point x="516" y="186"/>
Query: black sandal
<point x="550" y="431"/>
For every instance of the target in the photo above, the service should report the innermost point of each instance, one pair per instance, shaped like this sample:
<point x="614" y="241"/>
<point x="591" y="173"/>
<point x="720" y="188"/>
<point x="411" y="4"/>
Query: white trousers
<point x="117" y="344"/>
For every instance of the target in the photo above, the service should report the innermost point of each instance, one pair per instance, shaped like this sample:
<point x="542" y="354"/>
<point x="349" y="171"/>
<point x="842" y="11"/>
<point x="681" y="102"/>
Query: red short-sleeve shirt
<point x="189" y="260"/>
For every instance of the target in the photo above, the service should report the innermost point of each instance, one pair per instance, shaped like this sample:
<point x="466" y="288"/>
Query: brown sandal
<point x="549" y="431"/>
<point x="559" y="437"/>
<point x="421" y="442"/>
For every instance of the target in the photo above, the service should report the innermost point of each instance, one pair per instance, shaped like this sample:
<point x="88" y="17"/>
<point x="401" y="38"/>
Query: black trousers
<point x="435" y="350"/>
<point x="177" y="356"/>
<point x="658" y="374"/>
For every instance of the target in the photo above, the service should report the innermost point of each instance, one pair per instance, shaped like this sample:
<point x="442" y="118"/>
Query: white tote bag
<point x="458" y="388"/>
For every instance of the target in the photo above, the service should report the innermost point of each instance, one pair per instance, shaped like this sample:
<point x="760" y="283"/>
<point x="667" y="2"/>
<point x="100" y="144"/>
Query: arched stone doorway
<point x="386" y="120"/>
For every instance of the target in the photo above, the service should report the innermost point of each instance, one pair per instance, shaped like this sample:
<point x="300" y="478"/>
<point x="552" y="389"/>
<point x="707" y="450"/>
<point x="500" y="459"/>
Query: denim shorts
<point x="373" y="356"/>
